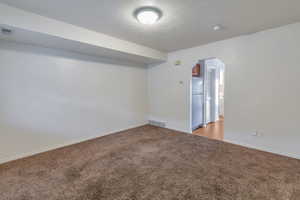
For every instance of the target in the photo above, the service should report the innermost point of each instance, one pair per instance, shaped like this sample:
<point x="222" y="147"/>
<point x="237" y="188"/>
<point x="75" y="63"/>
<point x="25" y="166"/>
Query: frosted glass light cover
<point x="148" y="15"/>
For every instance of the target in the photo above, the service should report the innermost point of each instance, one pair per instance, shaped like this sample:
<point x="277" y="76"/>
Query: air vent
<point x="157" y="123"/>
<point x="6" y="31"/>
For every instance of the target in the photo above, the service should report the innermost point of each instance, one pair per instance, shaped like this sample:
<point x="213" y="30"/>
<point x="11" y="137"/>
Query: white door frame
<point x="203" y="70"/>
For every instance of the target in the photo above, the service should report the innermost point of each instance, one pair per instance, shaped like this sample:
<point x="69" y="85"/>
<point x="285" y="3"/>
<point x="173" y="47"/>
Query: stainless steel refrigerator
<point x="197" y="102"/>
<point x="205" y="94"/>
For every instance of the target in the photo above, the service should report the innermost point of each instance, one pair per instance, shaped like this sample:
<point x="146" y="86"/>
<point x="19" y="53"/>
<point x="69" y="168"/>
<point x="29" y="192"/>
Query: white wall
<point x="50" y="98"/>
<point x="261" y="88"/>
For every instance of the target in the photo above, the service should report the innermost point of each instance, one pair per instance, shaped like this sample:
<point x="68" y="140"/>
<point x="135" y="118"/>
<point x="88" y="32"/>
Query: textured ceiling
<point x="186" y="23"/>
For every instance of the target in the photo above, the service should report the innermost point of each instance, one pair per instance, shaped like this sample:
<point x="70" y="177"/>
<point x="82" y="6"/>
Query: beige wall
<point x="261" y="88"/>
<point x="51" y="98"/>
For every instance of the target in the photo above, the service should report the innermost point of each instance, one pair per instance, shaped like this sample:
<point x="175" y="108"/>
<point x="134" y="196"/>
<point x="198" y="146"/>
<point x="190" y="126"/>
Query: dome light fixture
<point x="147" y="15"/>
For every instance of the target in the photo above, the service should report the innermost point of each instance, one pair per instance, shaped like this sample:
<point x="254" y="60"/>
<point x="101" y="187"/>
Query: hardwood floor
<point x="213" y="130"/>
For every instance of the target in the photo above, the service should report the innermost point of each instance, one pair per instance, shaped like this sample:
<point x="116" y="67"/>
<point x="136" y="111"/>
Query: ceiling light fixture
<point x="148" y="15"/>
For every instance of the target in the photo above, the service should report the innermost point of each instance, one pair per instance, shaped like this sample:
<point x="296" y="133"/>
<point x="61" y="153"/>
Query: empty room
<point x="149" y="100"/>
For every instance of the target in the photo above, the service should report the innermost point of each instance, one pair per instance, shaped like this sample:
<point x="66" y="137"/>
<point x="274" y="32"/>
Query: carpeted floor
<point x="151" y="163"/>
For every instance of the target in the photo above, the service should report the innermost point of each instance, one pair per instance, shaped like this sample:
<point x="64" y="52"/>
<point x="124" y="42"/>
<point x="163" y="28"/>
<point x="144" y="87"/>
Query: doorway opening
<point x="208" y="98"/>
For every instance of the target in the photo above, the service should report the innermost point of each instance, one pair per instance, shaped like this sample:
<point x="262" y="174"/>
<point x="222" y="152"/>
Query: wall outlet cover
<point x="256" y="134"/>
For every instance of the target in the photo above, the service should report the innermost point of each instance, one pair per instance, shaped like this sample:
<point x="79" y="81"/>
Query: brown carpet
<point x="151" y="163"/>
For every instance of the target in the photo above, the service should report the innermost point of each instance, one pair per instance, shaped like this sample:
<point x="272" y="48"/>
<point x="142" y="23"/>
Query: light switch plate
<point x="177" y="62"/>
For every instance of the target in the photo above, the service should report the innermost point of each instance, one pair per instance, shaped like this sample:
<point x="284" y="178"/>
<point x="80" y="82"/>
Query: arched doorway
<point x="208" y="98"/>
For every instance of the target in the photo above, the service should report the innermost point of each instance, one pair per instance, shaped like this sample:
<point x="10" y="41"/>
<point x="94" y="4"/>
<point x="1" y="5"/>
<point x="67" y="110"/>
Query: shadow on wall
<point x="21" y="142"/>
<point x="34" y="49"/>
<point x="51" y="101"/>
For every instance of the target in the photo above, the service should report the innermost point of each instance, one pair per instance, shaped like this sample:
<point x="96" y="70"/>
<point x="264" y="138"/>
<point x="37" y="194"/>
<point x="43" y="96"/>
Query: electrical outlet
<point x="256" y="134"/>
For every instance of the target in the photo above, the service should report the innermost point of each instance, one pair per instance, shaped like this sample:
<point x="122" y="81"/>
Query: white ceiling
<point x="186" y="23"/>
